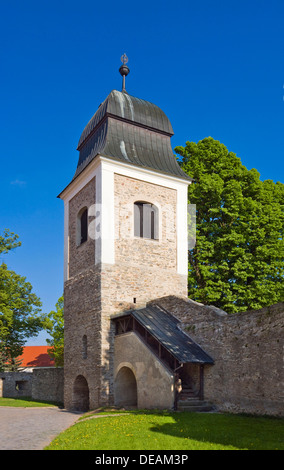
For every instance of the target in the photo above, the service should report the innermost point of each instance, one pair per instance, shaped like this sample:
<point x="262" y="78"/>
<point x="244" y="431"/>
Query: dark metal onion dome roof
<point x="130" y="130"/>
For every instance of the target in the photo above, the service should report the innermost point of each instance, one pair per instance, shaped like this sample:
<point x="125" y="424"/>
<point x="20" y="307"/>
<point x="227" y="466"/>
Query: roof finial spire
<point x="124" y="70"/>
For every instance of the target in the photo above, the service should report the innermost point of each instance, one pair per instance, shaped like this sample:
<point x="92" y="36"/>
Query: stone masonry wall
<point x="82" y="317"/>
<point x="136" y="251"/>
<point x="82" y="307"/>
<point x="120" y="284"/>
<point x="47" y="384"/>
<point x="248" y="374"/>
<point x="16" y="384"/>
<point x="82" y="256"/>
<point x="42" y="383"/>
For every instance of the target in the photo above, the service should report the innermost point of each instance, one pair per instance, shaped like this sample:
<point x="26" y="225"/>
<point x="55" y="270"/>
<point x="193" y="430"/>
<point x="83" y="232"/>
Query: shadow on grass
<point x="235" y="431"/>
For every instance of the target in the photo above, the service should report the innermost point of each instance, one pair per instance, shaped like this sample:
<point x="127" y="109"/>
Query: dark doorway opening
<point x="125" y="388"/>
<point x="81" y="394"/>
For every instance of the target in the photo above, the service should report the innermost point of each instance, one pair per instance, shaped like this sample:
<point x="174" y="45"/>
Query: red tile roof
<point x="36" y="356"/>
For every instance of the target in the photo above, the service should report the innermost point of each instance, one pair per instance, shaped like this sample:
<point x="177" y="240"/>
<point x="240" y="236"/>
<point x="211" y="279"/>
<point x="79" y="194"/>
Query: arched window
<point x="146" y="220"/>
<point x="82" y="226"/>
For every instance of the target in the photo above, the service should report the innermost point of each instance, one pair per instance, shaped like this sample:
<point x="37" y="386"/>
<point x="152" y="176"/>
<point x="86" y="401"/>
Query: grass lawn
<point x="24" y="402"/>
<point x="143" y="430"/>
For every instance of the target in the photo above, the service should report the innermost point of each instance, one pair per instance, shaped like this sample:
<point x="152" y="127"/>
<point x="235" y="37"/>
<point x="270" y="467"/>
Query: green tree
<point x="12" y="364"/>
<point x="19" y="307"/>
<point x="237" y="263"/>
<point x="54" y="325"/>
<point x="8" y="241"/>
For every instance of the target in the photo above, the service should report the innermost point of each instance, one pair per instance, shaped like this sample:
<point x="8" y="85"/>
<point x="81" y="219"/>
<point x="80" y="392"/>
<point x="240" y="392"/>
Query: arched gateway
<point x="80" y="394"/>
<point x="125" y="388"/>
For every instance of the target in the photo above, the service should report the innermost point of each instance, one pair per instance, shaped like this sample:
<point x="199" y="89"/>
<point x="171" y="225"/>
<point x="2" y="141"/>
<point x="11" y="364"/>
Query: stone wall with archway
<point x="133" y="360"/>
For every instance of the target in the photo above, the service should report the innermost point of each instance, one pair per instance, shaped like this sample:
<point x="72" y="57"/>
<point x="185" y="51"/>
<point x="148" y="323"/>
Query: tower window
<point x="84" y="347"/>
<point x="82" y="226"/>
<point x="146" y="220"/>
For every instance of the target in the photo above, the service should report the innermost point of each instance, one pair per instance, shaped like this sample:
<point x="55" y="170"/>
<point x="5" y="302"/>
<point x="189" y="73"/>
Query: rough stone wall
<point x="144" y="269"/>
<point x="82" y="317"/>
<point x="83" y="256"/>
<point x="135" y="251"/>
<point x="42" y="383"/>
<point x="82" y="307"/>
<point x="16" y="384"/>
<point x="119" y="285"/>
<point x="248" y="374"/>
<point x="47" y="384"/>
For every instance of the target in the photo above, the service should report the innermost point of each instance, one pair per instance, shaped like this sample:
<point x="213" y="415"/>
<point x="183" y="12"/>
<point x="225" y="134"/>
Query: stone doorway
<point x="125" y="388"/>
<point x="80" y="400"/>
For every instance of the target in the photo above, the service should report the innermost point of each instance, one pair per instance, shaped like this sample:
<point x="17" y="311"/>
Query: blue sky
<point x="215" y="67"/>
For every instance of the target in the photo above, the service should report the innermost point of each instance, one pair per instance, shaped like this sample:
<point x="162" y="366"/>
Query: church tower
<point x="125" y="244"/>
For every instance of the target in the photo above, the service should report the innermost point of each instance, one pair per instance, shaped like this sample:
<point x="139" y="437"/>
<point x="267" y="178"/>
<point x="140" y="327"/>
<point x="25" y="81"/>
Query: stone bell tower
<point x="125" y="225"/>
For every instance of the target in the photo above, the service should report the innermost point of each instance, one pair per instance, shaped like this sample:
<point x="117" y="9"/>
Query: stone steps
<point x="194" y="404"/>
<point x="188" y="395"/>
<point x="188" y="400"/>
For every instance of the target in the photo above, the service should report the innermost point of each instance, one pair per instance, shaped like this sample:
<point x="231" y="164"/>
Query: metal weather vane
<point x="124" y="70"/>
<point x="124" y="59"/>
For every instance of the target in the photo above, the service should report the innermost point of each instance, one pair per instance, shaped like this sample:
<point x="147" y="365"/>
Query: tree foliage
<point x="54" y="325"/>
<point x="19" y="307"/>
<point x="237" y="263"/>
<point x="8" y="241"/>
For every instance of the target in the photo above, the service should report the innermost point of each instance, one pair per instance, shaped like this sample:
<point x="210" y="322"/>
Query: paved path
<point x="32" y="428"/>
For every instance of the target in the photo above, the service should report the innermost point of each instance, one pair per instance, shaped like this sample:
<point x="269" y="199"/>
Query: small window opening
<point x="134" y="300"/>
<point x="84" y="347"/>
<point x="82" y="226"/>
<point x="21" y="386"/>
